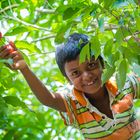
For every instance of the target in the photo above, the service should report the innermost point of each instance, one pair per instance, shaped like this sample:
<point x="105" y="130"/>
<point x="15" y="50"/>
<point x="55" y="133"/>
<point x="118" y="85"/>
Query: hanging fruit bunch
<point x="8" y="45"/>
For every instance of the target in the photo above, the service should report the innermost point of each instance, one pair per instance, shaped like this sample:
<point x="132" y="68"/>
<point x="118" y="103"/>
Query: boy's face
<point x="85" y="77"/>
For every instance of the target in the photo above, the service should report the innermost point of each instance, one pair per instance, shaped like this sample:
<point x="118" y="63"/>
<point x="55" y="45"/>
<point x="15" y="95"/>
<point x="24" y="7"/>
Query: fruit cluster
<point x="4" y="42"/>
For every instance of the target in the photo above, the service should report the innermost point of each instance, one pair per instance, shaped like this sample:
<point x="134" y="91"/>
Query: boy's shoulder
<point x="67" y="91"/>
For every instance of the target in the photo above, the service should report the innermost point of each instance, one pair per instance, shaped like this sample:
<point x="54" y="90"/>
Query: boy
<point x="100" y="112"/>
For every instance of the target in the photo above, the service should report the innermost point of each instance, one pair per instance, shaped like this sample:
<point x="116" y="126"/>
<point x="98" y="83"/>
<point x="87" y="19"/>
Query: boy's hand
<point x="10" y="51"/>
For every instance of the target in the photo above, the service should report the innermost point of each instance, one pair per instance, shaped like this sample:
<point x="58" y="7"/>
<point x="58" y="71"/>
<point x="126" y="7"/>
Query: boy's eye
<point x="92" y="65"/>
<point x="75" y="73"/>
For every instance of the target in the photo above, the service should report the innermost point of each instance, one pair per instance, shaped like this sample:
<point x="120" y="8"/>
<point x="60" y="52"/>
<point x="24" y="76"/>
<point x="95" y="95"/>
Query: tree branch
<point x="42" y="53"/>
<point x="134" y="36"/>
<point x="106" y="26"/>
<point x="43" y="38"/>
<point x="25" y="23"/>
<point x="47" y="11"/>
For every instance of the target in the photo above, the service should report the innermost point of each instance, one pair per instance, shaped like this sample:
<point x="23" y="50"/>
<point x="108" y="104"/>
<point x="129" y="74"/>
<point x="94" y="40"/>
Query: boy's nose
<point x="86" y="76"/>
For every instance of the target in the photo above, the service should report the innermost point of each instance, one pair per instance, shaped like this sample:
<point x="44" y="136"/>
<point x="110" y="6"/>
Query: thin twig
<point x="25" y="23"/>
<point x="42" y="53"/>
<point x="11" y="10"/>
<point x="47" y="11"/>
<point x="133" y="35"/>
<point x="49" y="4"/>
<point x="106" y="26"/>
<point x="43" y="38"/>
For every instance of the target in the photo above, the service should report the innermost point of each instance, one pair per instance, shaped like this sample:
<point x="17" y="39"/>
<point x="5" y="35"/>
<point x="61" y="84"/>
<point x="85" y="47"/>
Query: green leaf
<point x="3" y="106"/>
<point x="130" y="56"/>
<point x="27" y="46"/>
<point x="9" y="135"/>
<point x="4" y="4"/>
<point x="121" y="74"/>
<point x="85" y="53"/>
<point x="101" y="24"/>
<point x="100" y="1"/>
<point x="69" y="12"/>
<point x="119" y="36"/>
<point x="108" y="3"/>
<point x="137" y="2"/>
<point x="134" y="46"/>
<point x="40" y="117"/>
<point x="61" y="33"/>
<point x="108" y="48"/>
<point x="17" y="30"/>
<point x="95" y="46"/>
<point x="138" y="23"/>
<point x="14" y="101"/>
<point x="107" y="73"/>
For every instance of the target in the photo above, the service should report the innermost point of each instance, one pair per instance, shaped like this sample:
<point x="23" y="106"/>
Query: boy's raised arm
<point x="41" y="92"/>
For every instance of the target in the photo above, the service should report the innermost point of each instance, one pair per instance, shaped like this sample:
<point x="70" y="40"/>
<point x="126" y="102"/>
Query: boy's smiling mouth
<point x="91" y="83"/>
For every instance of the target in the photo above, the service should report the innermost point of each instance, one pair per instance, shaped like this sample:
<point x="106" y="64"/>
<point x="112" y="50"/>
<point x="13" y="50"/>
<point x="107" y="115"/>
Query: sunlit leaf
<point x="107" y="73"/>
<point x="95" y="46"/>
<point x="27" y="46"/>
<point x="14" y="101"/>
<point x="3" y="106"/>
<point x="16" y="30"/>
<point x="121" y="74"/>
<point x="68" y="13"/>
<point x="85" y="53"/>
<point x="101" y="24"/>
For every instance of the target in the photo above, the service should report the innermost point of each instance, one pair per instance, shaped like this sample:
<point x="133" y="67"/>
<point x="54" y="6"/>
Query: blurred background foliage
<point x="37" y="27"/>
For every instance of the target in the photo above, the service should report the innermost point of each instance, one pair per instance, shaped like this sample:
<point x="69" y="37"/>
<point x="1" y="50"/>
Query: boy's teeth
<point x="90" y="83"/>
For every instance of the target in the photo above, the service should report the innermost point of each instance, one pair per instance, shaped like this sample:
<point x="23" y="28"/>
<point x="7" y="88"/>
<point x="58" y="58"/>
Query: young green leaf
<point x="121" y="74"/>
<point x="108" y="48"/>
<point x="14" y="101"/>
<point x="108" y="3"/>
<point x="3" y="106"/>
<point x="107" y="73"/>
<point x="68" y="13"/>
<point x="85" y="53"/>
<point x="95" y="46"/>
<point x="119" y="36"/>
<point x="101" y="24"/>
<point x="16" y="30"/>
<point x="27" y="46"/>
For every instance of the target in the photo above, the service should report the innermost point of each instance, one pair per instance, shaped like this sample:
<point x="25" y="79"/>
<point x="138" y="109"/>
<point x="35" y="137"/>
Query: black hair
<point x="70" y="50"/>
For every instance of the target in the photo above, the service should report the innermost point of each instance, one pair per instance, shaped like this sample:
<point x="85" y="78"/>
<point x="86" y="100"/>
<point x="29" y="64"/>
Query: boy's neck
<point x="99" y="96"/>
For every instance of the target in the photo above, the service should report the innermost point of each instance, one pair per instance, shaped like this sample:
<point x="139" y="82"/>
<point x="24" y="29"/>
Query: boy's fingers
<point x="13" y="45"/>
<point x="15" y="54"/>
<point x="4" y="53"/>
<point x="2" y="48"/>
<point x="16" y="58"/>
